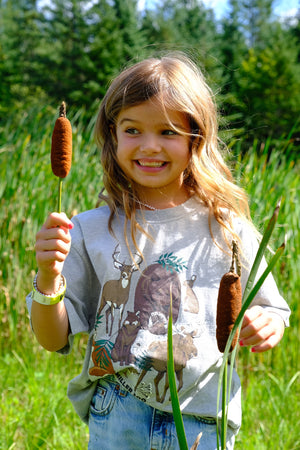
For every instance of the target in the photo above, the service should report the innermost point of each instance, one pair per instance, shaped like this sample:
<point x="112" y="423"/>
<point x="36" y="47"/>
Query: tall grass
<point x="271" y="388"/>
<point x="34" y="410"/>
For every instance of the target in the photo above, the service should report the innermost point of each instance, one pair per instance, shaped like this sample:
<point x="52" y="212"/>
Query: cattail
<point x="61" y="148"/>
<point x="229" y="304"/>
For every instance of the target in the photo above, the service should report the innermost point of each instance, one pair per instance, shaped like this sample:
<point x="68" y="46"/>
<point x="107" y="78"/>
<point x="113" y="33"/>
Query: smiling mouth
<point x="151" y="163"/>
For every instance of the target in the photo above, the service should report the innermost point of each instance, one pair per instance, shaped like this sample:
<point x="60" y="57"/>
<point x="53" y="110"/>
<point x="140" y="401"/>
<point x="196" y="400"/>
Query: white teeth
<point x="151" y="163"/>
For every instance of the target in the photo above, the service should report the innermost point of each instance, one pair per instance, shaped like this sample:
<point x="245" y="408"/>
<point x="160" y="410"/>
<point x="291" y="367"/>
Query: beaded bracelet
<point x="52" y="299"/>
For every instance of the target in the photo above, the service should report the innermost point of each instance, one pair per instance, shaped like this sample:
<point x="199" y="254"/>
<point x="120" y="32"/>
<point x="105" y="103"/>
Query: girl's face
<point x="153" y="152"/>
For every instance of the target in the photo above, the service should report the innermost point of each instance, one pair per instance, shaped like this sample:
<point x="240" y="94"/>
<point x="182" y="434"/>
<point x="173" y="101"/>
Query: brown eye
<point x="169" y="133"/>
<point x="131" y="131"/>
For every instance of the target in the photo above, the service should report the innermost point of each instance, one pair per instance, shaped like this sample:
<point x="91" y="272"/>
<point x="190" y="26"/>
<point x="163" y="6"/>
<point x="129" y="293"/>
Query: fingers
<point x="53" y="243"/>
<point x="46" y="237"/>
<point x="51" y="250"/>
<point x="253" y="321"/>
<point x="58" y="220"/>
<point x="261" y="329"/>
<point x="267" y="344"/>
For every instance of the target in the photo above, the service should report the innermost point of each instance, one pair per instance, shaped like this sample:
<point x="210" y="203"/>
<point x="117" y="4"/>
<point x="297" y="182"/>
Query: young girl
<point x="172" y="213"/>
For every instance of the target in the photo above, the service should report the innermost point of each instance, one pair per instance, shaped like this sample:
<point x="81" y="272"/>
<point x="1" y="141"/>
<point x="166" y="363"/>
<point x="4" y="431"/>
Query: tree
<point x="188" y="26"/>
<point x="264" y="71"/>
<point x="233" y="43"/>
<point x="71" y="50"/>
<point x="253" y="18"/>
<point x="64" y="51"/>
<point x="20" y="43"/>
<point x="269" y="84"/>
<point x="115" y="39"/>
<point x="294" y="27"/>
<point x="233" y="51"/>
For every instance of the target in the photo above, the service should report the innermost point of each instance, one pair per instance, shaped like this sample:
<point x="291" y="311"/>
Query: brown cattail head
<point x="228" y="308"/>
<point x="61" y="148"/>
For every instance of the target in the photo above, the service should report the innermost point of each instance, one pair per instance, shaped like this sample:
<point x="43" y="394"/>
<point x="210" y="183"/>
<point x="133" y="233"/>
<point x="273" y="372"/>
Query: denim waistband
<point x="112" y="378"/>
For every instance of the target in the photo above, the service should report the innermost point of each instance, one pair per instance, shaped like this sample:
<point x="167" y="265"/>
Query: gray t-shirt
<point x="123" y="301"/>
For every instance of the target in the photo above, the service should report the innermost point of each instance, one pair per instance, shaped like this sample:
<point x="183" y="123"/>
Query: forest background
<point x="70" y="51"/>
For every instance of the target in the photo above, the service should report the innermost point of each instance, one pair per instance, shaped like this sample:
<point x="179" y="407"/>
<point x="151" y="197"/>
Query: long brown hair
<point x="179" y="85"/>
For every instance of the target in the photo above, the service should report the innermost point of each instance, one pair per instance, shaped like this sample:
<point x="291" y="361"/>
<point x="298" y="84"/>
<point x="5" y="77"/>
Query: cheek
<point x="122" y="159"/>
<point x="119" y="159"/>
<point x="187" y="155"/>
<point x="123" y="144"/>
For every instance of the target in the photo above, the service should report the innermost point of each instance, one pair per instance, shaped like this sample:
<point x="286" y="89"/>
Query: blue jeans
<point x="119" y="421"/>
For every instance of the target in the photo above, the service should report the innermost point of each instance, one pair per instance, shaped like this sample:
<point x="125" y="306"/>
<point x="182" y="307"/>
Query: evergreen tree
<point x="294" y="27"/>
<point x="264" y="73"/>
<point x="66" y="37"/>
<point x="269" y="86"/>
<point x="128" y="22"/>
<point x="115" y="39"/>
<point x="188" y="26"/>
<point x="233" y="50"/>
<point x="233" y="42"/>
<point x="20" y="65"/>
<point x="253" y="17"/>
<point x="71" y="50"/>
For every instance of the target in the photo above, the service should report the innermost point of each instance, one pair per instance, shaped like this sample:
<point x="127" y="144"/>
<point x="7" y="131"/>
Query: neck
<point x="161" y="202"/>
<point x="143" y="205"/>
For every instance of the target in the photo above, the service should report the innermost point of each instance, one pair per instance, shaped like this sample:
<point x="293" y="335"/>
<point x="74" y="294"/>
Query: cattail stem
<point x="60" y="182"/>
<point x="235" y="262"/>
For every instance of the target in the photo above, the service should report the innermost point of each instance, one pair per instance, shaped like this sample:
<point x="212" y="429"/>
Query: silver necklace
<point x="147" y="206"/>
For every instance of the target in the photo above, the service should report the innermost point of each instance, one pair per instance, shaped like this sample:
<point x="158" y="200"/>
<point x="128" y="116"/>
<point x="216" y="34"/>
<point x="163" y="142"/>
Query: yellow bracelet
<point x="45" y="299"/>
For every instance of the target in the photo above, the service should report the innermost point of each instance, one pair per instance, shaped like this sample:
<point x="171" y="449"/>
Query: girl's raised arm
<point x="50" y="322"/>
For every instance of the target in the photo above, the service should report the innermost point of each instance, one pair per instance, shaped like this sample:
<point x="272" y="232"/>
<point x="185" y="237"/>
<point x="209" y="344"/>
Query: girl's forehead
<point x="152" y="109"/>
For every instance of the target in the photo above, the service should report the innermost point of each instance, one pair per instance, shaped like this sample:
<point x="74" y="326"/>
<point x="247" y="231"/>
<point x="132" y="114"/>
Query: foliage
<point x="267" y="376"/>
<point x="253" y="17"/>
<point x="187" y="26"/>
<point x="102" y="351"/>
<point x="171" y="262"/>
<point x="269" y="83"/>
<point x="70" y="51"/>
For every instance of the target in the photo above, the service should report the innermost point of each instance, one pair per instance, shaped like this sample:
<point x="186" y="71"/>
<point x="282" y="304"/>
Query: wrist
<point x="47" y="285"/>
<point x="45" y="298"/>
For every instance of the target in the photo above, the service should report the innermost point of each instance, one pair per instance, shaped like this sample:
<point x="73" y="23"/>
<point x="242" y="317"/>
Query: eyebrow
<point x="127" y="120"/>
<point x="165" y="124"/>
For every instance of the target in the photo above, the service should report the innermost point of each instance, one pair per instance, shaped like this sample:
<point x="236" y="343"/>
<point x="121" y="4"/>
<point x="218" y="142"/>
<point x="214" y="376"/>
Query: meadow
<point x="34" y="410"/>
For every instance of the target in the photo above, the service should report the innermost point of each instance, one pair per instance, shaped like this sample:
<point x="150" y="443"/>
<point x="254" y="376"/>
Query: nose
<point x="150" y="143"/>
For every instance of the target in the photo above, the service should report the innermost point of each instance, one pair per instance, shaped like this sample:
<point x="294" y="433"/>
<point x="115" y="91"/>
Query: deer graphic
<point x="184" y="349"/>
<point x="115" y="292"/>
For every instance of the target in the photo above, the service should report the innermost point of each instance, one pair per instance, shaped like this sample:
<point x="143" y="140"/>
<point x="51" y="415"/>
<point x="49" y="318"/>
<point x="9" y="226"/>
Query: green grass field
<point x="34" y="410"/>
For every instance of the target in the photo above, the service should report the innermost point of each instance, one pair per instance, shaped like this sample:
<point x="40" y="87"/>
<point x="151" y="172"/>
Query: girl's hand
<point x="52" y="246"/>
<point x="261" y="329"/>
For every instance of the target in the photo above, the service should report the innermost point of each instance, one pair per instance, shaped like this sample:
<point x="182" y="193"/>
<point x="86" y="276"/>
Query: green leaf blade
<point x="173" y="388"/>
